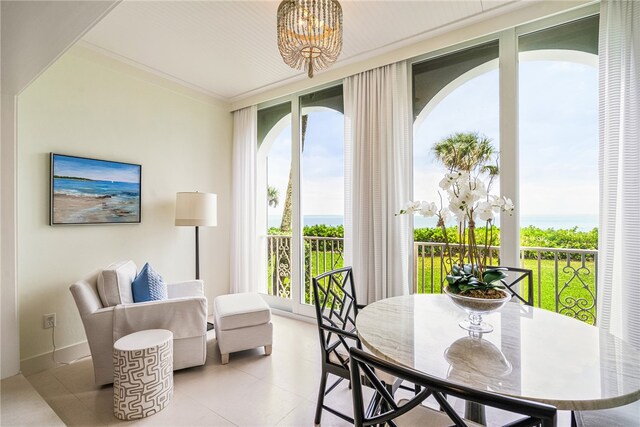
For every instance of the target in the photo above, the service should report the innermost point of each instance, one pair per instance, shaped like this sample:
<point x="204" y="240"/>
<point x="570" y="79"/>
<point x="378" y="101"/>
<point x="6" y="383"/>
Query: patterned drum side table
<point x="143" y="373"/>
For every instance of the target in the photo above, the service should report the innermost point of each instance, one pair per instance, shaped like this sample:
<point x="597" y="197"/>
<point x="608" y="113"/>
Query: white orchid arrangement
<point x="469" y="201"/>
<point x="472" y="168"/>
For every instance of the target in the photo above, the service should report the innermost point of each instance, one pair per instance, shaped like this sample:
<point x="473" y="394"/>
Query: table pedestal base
<point x="475" y="412"/>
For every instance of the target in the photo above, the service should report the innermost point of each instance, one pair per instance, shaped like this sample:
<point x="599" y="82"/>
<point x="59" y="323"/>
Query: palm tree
<point x="467" y="152"/>
<point x="474" y="154"/>
<point x="273" y="196"/>
<point x="285" y="225"/>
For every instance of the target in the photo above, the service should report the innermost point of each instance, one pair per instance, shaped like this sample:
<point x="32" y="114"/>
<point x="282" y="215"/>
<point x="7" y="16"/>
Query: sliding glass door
<point x="558" y="140"/>
<point x="300" y="195"/>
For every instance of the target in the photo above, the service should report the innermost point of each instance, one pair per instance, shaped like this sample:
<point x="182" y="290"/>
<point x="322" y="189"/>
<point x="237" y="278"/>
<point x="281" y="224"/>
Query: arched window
<point x="552" y="141"/>
<point x="558" y="126"/>
<point x="453" y="93"/>
<point x="273" y="171"/>
<point x="558" y="159"/>
<point x="300" y="185"/>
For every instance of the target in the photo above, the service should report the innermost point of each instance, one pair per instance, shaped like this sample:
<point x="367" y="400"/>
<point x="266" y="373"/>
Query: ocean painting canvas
<point x="91" y="191"/>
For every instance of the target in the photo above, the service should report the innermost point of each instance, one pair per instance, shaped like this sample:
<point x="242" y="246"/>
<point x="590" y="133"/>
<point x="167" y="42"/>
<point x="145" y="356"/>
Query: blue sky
<point x="98" y="170"/>
<point x="558" y="131"/>
<point x="323" y="165"/>
<point x="558" y="142"/>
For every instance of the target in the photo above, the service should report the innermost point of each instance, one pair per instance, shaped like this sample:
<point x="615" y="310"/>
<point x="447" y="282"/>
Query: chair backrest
<point x="85" y="294"/>
<point x="519" y="283"/>
<point x="364" y="367"/>
<point x="336" y="310"/>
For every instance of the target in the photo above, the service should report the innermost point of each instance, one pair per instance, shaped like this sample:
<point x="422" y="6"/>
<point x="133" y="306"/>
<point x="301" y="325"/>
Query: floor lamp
<point x="197" y="209"/>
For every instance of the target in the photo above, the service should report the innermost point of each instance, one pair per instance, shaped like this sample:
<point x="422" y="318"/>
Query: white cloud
<point x="324" y="197"/>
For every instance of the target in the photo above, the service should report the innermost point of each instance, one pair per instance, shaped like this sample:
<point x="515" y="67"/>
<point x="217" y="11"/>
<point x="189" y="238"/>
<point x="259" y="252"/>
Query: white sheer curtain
<point x="378" y="181"/>
<point x="244" y="243"/>
<point x="619" y="168"/>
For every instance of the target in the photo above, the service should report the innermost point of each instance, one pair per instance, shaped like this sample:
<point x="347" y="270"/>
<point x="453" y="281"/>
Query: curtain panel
<point x="619" y="170"/>
<point x="378" y="181"/>
<point x="244" y="243"/>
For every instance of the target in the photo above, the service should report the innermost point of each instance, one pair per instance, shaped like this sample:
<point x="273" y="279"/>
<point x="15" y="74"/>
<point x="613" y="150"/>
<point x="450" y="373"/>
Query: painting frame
<point x="89" y="191"/>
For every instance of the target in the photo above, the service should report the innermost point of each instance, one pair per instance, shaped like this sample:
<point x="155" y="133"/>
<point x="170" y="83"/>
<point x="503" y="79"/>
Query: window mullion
<point x="509" y="168"/>
<point x="297" y="245"/>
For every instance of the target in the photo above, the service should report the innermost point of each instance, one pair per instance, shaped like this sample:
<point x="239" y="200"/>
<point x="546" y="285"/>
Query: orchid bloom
<point x="411" y="207"/>
<point x="468" y="200"/>
<point x="449" y="180"/>
<point x="484" y="211"/>
<point x="428" y="209"/>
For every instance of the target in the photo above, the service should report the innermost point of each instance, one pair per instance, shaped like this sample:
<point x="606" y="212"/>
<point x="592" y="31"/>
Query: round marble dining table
<point x="532" y="353"/>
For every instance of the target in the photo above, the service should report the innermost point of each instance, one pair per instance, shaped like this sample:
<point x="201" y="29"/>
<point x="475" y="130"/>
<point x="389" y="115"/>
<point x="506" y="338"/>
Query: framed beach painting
<point x="91" y="191"/>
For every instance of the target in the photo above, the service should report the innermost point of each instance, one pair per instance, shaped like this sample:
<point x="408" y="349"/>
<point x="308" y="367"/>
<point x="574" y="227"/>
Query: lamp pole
<point x="196" y="209"/>
<point x="197" y="254"/>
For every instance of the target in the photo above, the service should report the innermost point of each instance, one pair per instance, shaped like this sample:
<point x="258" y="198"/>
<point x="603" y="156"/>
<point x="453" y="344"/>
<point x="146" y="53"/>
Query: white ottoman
<point x="242" y="322"/>
<point x="143" y="373"/>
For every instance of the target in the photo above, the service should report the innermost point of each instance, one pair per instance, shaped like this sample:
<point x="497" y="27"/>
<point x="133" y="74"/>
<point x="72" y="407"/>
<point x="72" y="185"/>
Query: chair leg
<point x="267" y="349"/>
<point x="225" y="358"/>
<point x="374" y="406"/>
<point x="323" y="385"/>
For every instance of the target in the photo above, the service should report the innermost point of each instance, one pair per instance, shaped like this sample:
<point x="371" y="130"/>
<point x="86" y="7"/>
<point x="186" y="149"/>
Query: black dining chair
<point x="336" y="308"/>
<point x="519" y="283"/>
<point x="628" y="415"/>
<point x="411" y="412"/>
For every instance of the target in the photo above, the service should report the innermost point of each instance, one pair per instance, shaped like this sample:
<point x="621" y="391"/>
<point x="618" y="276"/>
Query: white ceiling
<point x="228" y="48"/>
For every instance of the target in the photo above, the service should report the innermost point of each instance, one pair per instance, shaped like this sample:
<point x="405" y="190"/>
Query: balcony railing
<point x="564" y="279"/>
<point x="279" y="266"/>
<point x="320" y="254"/>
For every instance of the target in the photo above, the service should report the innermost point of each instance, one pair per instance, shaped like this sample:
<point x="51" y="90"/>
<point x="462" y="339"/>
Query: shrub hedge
<point x="529" y="236"/>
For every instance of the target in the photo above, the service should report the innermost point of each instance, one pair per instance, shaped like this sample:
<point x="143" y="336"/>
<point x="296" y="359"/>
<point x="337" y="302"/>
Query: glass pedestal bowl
<point x="476" y="355"/>
<point x="476" y="307"/>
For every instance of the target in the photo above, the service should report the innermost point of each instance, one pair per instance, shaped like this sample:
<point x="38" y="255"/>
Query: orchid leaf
<point x="452" y="279"/>
<point x="465" y="278"/>
<point x="491" y="276"/>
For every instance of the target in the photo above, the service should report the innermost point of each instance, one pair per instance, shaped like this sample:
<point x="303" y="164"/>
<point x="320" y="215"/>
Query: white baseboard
<point x="45" y="361"/>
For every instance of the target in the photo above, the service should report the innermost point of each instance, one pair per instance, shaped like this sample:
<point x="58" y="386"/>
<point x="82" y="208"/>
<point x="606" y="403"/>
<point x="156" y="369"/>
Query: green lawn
<point x="575" y="282"/>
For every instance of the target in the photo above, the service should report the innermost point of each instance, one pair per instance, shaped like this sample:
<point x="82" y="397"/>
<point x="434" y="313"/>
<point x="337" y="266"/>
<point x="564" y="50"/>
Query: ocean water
<point x="95" y="201"/>
<point x="97" y="189"/>
<point x="557" y="222"/>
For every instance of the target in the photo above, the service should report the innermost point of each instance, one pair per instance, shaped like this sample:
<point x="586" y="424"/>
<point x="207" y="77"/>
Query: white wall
<point x="10" y="341"/>
<point x="88" y="105"/>
<point x="33" y="34"/>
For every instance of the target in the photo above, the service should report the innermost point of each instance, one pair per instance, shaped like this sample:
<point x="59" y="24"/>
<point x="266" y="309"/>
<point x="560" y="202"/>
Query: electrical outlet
<point x="49" y="320"/>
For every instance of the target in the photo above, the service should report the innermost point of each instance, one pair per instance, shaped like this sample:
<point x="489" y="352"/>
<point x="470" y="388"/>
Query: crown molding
<point x="479" y="25"/>
<point x="152" y="75"/>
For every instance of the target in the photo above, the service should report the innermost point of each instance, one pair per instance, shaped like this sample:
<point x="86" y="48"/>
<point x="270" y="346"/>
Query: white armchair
<point x="184" y="314"/>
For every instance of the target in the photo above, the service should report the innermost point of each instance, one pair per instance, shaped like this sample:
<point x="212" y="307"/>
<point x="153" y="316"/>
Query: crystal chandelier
<point x="309" y="33"/>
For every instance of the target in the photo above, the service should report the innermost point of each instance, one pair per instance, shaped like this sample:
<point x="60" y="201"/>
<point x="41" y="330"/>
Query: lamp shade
<point x="196" y="209"/>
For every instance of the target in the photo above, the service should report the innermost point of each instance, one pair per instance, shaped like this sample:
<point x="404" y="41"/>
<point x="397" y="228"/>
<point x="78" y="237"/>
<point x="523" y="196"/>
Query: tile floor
<point x="21" y="405"/>
<point x="252" y="390"/>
